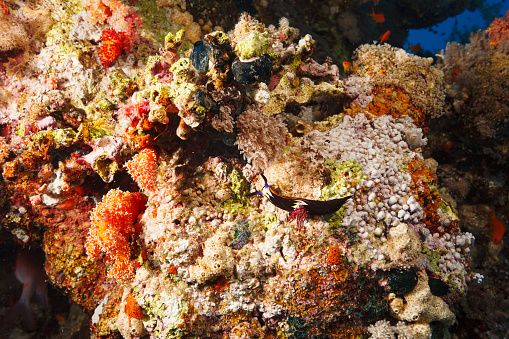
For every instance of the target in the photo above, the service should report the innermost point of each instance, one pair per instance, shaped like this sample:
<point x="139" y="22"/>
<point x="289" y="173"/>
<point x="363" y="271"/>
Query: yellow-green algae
<point x="285" y="92"/>
<point x="254" y="45"/>
<point x="239" y="187"/>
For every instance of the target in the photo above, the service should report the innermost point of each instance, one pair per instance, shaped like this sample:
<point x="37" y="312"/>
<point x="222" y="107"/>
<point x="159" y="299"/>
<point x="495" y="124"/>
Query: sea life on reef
<point x="346" y="66"/>
<point x="498" y="228"/>
<point x="131" y="163"/>
<point x="299" y="207"/>
<point x="377" y="17"/>
<point x="384" y="37"/>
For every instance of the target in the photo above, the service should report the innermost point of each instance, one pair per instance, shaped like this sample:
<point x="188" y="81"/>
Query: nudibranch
<point x="299" y="208"/>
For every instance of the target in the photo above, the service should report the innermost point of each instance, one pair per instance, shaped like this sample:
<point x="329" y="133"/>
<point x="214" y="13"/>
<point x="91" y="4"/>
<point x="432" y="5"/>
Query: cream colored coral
<point x="217" y="260"/>
<point x="419" y="307"/>
<point x="193" y="29"/>
<point x="403" y="246"/>
<point x="128" y="328"/>
<point x="391" y="66"/>
<point x="382" y="329"/>
<point x="38" y="22"/>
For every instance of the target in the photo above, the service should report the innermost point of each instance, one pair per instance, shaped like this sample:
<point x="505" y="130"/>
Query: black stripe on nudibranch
<point x="316" y="207"/>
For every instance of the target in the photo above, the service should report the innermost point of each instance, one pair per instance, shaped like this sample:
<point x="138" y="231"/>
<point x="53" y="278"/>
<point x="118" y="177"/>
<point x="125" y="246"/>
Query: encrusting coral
<point x="217" y="260"/>
<point x="390" y="66"/>
<point x="420" y="308"/>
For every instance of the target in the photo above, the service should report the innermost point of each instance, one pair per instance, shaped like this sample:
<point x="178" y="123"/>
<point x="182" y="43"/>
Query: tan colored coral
<point x="38" y="21"/>
<point x="193" y="29"/>
<point x="18" y="31"/>
<point x="261" y="138"/>
<point x="217" y="260"/>
<point x="419" y="308"/>
<point x="13" y="36"/>
<point x="403" y="247"/>
<point x="246" y="26"/>
<point x="391" y="66"/>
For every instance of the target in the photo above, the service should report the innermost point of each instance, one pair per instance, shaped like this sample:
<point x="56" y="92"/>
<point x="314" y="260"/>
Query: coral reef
<point x="132" y="135"/>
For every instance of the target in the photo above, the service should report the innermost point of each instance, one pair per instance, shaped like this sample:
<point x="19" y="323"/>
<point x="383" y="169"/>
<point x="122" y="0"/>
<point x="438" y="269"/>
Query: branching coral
<point x="498" y="30"/>
<point x="477" y="76"/>
<point x="114" y="222"/>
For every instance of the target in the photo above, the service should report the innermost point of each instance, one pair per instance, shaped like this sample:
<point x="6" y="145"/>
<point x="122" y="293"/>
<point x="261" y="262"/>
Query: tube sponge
<point x="419" y="307"/>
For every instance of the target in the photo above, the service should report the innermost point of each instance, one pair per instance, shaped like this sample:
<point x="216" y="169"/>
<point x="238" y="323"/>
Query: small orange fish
<point x="497" y="229"/>
<point x="414" y="48"/>
<point x="377" y="17"/>
<point x="346" y="66"/>
<point x="384" y="37"/>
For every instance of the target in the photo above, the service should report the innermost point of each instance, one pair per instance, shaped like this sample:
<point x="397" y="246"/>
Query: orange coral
<point x="112" y="47"/>
<point x="424" y="183"/>
<point x="172" y="270"/>
<point x="143" y="168"/>
<point x="334" y="256"/>
<point x="396" y="102"/>
<point x="498" y="30"/>
<point x="132" y="309"/>
<point x="113" y="223"/>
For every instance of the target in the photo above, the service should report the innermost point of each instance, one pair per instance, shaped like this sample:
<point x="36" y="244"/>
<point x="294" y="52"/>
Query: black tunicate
<point x="204" y="100"/>
<point x="376" y="310"/>
<point x="258" y="70"/>
<point x="200" y="57"/>
<point x="401" y="282"/>
<point x="438" y="287"/>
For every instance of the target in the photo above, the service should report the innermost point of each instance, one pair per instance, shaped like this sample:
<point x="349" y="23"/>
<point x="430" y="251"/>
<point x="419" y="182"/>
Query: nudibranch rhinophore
<point x="314" y="207"/>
